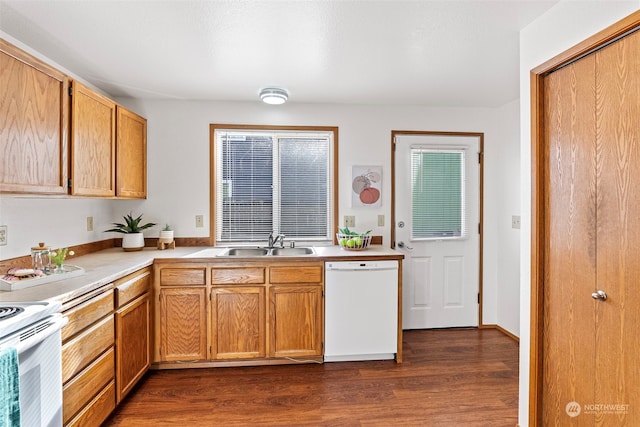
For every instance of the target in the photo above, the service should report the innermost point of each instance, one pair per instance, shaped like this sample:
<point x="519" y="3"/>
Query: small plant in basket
<point x="352" y="240"/>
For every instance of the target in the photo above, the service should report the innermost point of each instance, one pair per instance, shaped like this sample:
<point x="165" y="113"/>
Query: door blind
<point x="438" y="200"/>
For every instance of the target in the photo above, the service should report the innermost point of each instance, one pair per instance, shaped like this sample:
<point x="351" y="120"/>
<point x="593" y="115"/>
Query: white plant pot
<point x="166" y="236"/>
<point x="132" y="242"/>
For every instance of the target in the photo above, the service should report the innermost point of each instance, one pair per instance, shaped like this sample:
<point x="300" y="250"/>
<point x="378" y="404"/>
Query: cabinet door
<point x="183" y="324"/>
<point x="238" y="322"/>
<point x="93" y="136"/>
<point x="131" y="152"/>
<point x="133" y="351"/>
<point x="34" y="126"/>
<point x="295" y="321"/>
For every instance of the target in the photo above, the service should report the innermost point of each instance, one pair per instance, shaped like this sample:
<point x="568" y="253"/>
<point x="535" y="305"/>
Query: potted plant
<point x="166" y="237"/>
<point x="133" y="239"/>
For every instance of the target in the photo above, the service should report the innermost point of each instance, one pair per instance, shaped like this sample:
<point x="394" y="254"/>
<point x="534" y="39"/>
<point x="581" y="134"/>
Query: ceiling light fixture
<point x="274" y="95"/>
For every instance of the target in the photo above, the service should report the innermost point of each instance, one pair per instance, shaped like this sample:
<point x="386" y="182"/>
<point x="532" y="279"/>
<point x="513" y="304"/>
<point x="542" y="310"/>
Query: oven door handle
<point x="53" y="324"/>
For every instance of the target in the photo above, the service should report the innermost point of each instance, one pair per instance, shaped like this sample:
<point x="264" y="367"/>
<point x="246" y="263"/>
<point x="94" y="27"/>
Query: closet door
<point x="591" y="343"/>
<point x="570" y="265"/>
<point x="617" y="370"/>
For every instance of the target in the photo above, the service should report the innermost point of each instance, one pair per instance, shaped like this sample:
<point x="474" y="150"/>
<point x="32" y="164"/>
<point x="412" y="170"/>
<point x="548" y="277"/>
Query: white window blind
<point x="273" y="182"/>
<point x="438" y="193"/>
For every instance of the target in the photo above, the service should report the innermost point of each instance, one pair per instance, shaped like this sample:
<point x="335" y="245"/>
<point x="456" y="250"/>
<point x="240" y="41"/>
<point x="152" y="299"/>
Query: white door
<point x="437" y="205"/>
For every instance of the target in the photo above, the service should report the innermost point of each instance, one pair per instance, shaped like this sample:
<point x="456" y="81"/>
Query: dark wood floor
<point x="459" y="377"/>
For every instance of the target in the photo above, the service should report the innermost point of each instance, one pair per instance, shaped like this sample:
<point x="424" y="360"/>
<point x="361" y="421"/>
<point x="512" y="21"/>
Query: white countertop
<point x="104" y="267"/>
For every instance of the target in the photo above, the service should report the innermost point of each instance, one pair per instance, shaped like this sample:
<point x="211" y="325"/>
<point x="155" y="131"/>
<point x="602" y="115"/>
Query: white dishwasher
<point x="361" y="310"/>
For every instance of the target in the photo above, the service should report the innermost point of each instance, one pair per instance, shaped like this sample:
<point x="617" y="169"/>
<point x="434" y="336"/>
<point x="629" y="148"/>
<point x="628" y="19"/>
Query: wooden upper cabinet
<point x="131" y="152"/>
<point x="93" y="137"/>
<point x="34" y="124"/>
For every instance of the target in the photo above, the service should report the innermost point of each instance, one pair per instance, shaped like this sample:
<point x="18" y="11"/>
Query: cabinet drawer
<point x="87" y="313"/>
<point x="183" y="276"/>
<point x="301" y="274"/>
<point x="98" y="409"/>
<point x="78" y="352"/>
<point x="132" y="286"/>
<point x="222" y="276"/>
<point x="87" y="384"/>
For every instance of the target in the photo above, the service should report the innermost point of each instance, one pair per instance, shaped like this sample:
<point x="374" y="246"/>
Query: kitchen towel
<point x="9" y="388"/>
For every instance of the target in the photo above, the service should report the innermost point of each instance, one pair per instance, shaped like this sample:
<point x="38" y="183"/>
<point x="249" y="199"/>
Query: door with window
<point x="437" y="217"/>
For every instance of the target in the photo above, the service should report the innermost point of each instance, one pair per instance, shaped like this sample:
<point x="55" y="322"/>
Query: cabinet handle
<point x="600" y="295"/>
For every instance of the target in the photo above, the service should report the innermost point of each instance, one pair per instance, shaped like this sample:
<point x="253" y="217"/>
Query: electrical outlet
<point x="349" y="221"/>
<point x="3" y="235"/>
<point x="515" y="221"/>
<point x="380" y="220"/>
<point x="199" y="221"/>
<point x="89" y="223"/>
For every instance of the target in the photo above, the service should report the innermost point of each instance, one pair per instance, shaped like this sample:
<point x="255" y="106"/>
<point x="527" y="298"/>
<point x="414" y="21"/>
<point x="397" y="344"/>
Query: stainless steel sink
<point x="292" y="251"/>
<point x="247" y="252"/>
<point x="260" y="252"/>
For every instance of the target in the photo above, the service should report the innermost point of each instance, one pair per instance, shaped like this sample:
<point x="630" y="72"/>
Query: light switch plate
<point x="89" y="223"/>
<point x="515" y="221"/>
<point x="3" y="235"/>
<point x="199" y="221"/>
<point x="380" y="220"/>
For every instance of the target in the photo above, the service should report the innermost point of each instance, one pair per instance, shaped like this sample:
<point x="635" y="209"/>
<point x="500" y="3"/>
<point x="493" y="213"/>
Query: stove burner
<point x="7" y="312"/>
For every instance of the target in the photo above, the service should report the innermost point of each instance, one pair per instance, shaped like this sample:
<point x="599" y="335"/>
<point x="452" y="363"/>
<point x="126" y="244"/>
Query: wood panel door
<point x="133" y="346"/>
<point x="131" y="155"/>
<point x="569" y="326"/>
<point x="183" y="324"/>
<point x="34" y="124"/>
<point x="238" y="322"/>
<point x="617" y="366"/>
<point x="591" y="374"/>
<point x="93" y="143"/>
<point x="295" y="320"/>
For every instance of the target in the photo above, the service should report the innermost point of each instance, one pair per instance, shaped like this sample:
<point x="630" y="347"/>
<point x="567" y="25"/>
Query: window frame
<point x="333" y="219"/>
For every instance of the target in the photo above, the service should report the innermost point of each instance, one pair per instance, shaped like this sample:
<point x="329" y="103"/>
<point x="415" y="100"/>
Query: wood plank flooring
<point x="450" y="377"/>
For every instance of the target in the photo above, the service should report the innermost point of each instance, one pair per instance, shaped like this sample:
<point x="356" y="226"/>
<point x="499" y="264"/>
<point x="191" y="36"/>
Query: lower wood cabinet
<point x="212" y="313"/>
<point x="180" y="298"/>
<point x="237" y="322"/>
<point x="88" y="358"/>
<point x="295" y="321"/>
<point x="296" y="310"/>
<point x="105" y="348"/>
<point x="183" y="324"/>
<point x="133" y="330"/>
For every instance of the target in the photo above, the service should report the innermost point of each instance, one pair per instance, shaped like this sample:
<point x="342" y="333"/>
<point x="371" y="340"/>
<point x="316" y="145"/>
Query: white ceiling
<point x="437" y="53"/>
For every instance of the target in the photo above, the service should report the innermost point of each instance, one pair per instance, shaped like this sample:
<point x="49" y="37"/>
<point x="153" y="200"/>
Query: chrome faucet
<point x="274" y="240"/>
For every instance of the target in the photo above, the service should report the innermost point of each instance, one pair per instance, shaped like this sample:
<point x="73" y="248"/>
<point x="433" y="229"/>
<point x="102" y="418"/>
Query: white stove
<point x="16" y="315"/>
<point x="30" y="340"/>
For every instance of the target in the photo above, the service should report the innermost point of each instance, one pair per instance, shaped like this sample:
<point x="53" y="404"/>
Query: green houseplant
<point x="133" y="239"/>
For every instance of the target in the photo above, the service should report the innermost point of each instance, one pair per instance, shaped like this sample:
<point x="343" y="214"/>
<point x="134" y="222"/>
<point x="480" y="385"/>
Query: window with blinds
<point x="273" y="181"/>
<point x="438" y="183"/>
